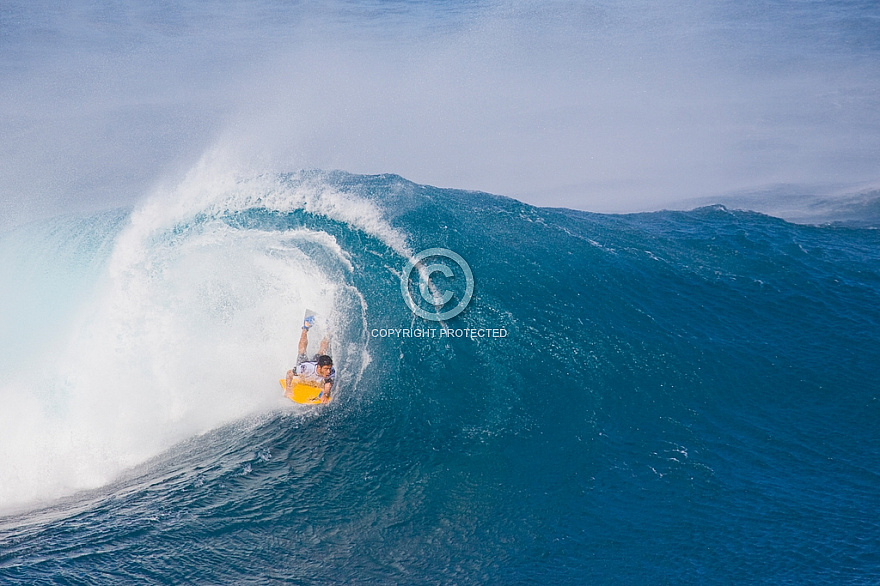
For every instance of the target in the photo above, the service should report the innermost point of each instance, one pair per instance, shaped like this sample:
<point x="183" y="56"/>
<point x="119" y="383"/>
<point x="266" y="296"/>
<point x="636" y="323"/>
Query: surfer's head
<point x="325" y="365"/>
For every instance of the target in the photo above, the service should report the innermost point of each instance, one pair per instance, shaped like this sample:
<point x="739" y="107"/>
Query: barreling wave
<point x="165" y="321"/>
<point x="676" y="392"/>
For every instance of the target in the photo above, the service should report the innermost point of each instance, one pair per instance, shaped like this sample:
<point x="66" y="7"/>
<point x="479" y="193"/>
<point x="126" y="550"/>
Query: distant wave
<point x="859" y="209"/>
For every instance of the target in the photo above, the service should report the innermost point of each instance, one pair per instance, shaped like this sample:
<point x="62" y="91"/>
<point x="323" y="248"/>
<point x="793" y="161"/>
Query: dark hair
<point x="325" y="360"/>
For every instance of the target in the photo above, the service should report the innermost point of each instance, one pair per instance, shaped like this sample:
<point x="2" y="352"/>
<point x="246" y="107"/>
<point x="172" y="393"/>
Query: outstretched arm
<point x="303" y="342"/>
<point x="325" y="346"/>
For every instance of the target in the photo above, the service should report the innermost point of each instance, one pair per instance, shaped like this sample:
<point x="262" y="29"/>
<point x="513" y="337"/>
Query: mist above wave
<point x="587" y="105"/>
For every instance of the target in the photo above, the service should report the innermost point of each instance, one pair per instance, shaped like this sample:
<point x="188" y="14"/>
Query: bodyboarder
<point x="318" y="371"/>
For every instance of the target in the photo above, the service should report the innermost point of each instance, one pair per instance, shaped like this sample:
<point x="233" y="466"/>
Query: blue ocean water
<point x="680" y="397"/>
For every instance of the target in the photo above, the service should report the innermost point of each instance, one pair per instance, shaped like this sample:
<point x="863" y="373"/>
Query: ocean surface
<point x="683" y="397"/>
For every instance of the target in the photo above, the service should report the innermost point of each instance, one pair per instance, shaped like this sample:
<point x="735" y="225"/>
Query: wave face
<point x="680" y="397"/>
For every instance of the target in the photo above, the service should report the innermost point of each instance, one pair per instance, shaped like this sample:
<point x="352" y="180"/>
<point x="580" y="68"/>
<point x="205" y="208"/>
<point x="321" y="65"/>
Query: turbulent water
<point x="669" y="397"/>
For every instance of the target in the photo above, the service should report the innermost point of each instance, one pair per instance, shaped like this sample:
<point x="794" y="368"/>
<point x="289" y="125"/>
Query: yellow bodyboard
<point x="302" y="392"/>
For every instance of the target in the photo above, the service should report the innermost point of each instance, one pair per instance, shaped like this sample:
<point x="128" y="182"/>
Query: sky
<point x="594" y="105"/>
